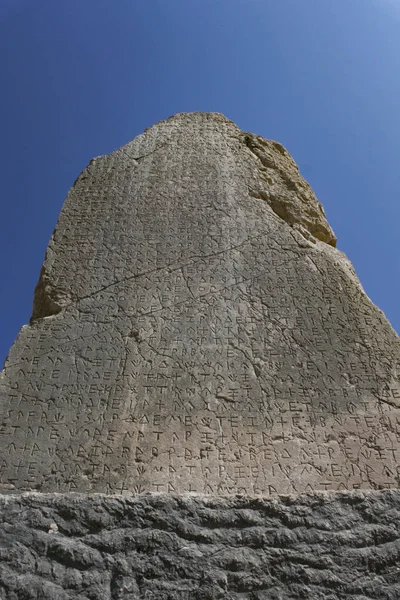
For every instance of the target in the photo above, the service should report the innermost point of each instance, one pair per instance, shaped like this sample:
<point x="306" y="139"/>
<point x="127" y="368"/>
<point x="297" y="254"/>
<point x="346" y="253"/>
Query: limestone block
<point x="195" y="330"/>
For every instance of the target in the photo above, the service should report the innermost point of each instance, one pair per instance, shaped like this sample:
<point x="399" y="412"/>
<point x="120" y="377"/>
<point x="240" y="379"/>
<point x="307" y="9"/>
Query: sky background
<point x="83" y="77"/>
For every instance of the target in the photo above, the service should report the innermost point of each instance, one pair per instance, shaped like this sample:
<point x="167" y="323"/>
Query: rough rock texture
<point x="196" y="330"/>
<point x="319" y="546"/>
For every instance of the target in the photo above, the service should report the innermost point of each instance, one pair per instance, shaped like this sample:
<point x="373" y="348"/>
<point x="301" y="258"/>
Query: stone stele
<point x="195" y="329"/>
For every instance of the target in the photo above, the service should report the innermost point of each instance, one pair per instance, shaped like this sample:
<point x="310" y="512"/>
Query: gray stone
<point x="320" y="546"/>
<point x="195" y="330"/>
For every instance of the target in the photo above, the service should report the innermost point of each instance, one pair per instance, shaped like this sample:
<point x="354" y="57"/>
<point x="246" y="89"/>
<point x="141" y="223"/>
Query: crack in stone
<point x="169" y="267"/>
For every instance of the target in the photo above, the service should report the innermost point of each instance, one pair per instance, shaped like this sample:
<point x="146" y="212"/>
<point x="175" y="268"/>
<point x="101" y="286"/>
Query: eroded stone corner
<point x="286" y="191"/>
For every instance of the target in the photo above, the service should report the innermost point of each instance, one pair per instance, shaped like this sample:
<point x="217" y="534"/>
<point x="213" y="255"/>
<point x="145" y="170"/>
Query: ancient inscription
<point x="185" y="338"/>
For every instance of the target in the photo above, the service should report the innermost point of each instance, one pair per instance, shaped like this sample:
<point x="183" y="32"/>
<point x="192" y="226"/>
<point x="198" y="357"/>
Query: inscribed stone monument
<point x="195" y="329"/>
<point x="196" y="334"/>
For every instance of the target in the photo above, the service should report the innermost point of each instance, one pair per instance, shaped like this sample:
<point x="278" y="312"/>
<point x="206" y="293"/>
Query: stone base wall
<point x="75" y="546"/>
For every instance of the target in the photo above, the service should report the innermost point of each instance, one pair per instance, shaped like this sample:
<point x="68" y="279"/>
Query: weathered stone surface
<point x="195" y="330"/>
<point x="320" y="547"/>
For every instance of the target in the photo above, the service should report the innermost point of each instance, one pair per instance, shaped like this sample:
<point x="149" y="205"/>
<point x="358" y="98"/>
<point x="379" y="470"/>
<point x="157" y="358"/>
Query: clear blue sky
<point x="82" y="77"/>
